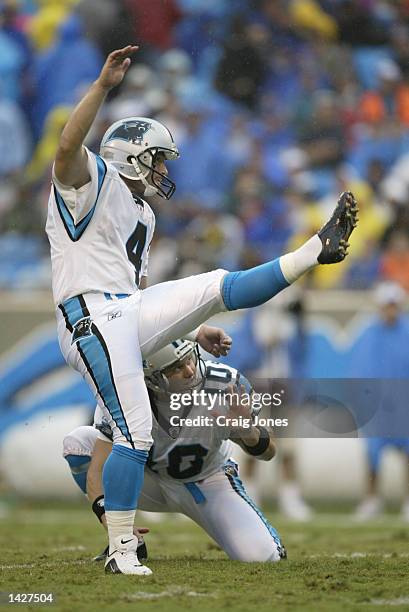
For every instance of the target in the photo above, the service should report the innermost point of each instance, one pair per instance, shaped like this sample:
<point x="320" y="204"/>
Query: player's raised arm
<point x="71" y="159"/>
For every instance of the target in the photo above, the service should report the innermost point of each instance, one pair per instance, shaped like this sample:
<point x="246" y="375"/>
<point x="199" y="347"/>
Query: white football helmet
<point x="131" y="146"/>
<point x="176" y="352"/>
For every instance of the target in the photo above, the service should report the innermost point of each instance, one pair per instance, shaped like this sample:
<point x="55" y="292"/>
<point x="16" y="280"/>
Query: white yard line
<point x="46" y="564"/>
<point x="358" y="555"/>
<point x="78" y="548"/>
<point x="173" y="592"/>
<point x="54" y="517"/>
<point x="399" y="601"/>
<point x="345" y="520"/>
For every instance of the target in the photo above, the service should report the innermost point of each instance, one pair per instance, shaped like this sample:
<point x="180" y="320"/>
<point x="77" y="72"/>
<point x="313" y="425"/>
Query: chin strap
<point x="150" y="190"/>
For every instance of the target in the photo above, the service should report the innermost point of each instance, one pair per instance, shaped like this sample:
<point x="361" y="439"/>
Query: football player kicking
<point x="100" y="229"/>
<point x="190" y="469"/>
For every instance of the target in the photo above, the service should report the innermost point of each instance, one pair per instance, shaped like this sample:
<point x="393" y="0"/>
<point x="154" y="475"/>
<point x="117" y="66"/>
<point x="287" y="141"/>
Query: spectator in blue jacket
<point x="382" y="352"/>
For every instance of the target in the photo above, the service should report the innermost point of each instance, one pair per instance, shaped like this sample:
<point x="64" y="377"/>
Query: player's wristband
<point x="98" y="507"/>
<point x="261" y="446"/>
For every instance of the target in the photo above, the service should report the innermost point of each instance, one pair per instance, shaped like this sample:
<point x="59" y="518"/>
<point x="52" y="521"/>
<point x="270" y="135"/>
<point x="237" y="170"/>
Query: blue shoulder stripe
<point x="75" y="230"/>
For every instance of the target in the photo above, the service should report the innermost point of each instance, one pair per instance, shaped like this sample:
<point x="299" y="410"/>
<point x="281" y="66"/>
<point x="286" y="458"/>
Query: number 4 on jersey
<point x="135" y="246"/>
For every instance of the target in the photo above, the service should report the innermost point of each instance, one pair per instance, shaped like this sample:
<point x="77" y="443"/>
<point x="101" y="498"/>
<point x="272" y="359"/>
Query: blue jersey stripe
<point x="102" y="170"/>
<point x="75" y="230"/>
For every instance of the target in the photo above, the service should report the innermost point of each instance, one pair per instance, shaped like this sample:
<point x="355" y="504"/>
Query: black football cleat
<point x="282" y="552"/>
<point x="335" y="233"/>
<point x="102" y="556"/>
<point x="142" y="552"/>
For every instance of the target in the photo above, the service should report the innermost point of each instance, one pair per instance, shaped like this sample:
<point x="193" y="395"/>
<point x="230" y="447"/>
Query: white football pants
<point x="104" y="338"/>
<point x="219" y="504"/>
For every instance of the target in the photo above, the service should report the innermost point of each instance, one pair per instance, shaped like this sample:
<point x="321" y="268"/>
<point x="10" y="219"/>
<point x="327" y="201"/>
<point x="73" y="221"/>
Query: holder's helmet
<point x="132" y="144"/>
<point x="172" y="355"/>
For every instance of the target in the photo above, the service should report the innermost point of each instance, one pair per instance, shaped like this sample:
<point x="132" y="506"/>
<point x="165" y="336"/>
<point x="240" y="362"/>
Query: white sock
<point x="119" y="523"/>
<point x="295" y="264"/>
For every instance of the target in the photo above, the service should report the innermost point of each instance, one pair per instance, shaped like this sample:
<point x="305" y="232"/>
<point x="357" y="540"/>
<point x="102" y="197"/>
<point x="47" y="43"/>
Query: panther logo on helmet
<point x="131" y="131"/>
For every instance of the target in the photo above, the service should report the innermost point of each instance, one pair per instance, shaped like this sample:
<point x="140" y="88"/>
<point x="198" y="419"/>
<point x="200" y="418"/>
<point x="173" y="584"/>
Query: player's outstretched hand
<point x="115" y="67"/>
<point x="214" y="340"/>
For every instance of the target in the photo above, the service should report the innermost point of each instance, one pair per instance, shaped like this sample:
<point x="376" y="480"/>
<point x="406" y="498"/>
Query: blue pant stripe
<point x="95" y="355"/>
<point x="65" y="315"/>
<point x="73" y="311"/>
<point x="238" y="486"/>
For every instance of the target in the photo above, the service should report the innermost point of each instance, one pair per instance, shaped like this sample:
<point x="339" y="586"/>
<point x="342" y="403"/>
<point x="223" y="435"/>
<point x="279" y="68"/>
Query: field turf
<point x="333" y="565"/>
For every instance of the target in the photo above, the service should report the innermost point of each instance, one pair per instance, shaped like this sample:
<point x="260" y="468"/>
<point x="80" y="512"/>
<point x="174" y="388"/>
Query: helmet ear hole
<point x="146" y="158"/>
<point x="141" y="173"/>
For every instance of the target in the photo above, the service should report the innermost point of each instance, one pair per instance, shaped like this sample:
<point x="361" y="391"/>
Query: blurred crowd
<point x="276" y="106"/>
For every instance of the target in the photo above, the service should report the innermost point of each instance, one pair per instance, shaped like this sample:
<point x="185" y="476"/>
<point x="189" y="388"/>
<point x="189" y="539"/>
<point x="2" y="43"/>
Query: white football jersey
<point x="187" y="454"/>
<point x="99" y="234"/>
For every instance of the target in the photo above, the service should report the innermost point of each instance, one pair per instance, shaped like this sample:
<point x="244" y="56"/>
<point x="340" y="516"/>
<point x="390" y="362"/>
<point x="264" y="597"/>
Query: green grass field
<point x="333" y="565"/>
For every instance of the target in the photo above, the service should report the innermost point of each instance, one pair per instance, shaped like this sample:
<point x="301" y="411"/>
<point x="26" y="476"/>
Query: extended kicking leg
<point x="172" y="309"/>
<point x="256" y="286"/>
